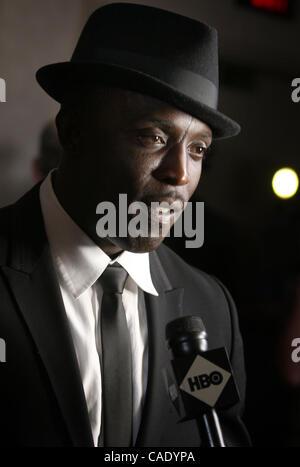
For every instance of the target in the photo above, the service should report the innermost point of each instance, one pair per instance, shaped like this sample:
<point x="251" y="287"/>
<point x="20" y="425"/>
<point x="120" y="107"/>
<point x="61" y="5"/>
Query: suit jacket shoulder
<point x="5" y="216"/>
<point x="204" y="294"/>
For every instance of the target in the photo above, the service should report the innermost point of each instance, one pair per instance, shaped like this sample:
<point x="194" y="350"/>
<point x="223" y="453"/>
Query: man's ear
<point x="68" y="130"/>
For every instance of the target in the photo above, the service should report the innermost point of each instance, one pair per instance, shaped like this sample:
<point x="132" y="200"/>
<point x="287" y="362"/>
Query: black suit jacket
<point x="42" y="401"/>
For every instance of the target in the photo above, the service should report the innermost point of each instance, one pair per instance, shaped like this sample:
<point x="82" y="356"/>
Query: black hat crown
<point x="148" y="50"/>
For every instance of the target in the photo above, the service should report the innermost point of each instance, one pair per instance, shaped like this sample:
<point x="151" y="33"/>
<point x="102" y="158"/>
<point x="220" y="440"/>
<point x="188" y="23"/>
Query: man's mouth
<point x="165" y="211"/>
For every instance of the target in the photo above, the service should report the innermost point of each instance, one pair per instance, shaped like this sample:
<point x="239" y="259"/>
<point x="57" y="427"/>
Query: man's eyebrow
<point x="162" y="123"/>
<point x="169" y="125"/>
<point x="205" y="134"/>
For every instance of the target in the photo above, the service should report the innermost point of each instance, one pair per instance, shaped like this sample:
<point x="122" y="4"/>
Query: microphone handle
<point x="210" y="430"/>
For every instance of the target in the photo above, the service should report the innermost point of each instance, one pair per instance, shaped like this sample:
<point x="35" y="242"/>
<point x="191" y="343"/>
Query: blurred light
<point x="278" y="6"/>
<point x="285" y="183"/>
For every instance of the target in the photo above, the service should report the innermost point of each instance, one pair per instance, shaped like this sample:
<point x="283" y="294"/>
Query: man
<point x="138" y="114"/>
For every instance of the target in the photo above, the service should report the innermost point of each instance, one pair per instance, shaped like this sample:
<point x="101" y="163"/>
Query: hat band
<point x="193" y="85"/>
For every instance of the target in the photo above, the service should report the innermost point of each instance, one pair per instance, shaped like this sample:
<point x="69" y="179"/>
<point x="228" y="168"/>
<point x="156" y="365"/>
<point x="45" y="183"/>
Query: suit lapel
<point x="32" y="278"/>
<point x="160" y="310"/>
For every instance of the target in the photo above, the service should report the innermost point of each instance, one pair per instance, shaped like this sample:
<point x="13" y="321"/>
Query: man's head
<point x="143" y="113"/>
<point x="118" y="141"/>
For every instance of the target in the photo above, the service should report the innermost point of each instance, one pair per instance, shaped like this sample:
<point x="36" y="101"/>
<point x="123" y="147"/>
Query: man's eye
<point x="151" y="140"/>
<point x="198" y="150"/>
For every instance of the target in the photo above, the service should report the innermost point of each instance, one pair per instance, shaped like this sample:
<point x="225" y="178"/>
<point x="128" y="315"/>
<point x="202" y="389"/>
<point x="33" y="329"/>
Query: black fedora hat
<point x="148" y="50"/>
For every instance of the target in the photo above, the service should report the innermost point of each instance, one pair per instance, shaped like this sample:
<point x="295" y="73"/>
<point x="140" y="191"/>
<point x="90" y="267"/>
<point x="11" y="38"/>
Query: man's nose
<point x="173" y="168"/>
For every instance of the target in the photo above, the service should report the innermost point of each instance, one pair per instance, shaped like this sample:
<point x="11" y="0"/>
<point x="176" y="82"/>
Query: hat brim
<point x="57" y="80"/>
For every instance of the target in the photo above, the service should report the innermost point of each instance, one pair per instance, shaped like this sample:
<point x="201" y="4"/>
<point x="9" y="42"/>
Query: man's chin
<point x="139" y="244"/>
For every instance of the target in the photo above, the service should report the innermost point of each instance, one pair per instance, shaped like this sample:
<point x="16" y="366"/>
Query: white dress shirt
<point x="79" y="263"/>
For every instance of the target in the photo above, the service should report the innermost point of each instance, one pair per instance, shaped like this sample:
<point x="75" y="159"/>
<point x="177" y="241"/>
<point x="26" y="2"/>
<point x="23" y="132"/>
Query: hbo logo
<point x="204" y="381"/>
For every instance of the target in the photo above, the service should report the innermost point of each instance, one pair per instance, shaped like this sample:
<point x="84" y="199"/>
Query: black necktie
<point x="116" y="360"/>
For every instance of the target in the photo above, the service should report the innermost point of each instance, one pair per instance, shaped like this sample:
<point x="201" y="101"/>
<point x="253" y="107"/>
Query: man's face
<point x="134" y="144"/>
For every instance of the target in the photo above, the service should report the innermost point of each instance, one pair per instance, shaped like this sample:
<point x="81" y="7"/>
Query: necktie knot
<point x="113" y="279"/>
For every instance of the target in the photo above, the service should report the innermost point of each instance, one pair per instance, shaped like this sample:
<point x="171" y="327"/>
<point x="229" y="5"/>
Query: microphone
<point x="204" y="378"/>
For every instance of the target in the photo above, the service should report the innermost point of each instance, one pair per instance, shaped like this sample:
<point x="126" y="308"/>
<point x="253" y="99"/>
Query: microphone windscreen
<point x="183" y="326"/>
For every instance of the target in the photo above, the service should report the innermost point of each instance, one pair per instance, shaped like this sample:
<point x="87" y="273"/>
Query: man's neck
<point x="74" y="207"/>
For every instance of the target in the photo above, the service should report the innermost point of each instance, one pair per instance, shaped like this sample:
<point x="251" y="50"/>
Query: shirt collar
<point x="79" y="261"/>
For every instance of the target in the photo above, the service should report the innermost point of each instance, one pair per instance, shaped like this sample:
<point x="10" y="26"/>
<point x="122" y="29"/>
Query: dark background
<point x="251" y="237"/>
